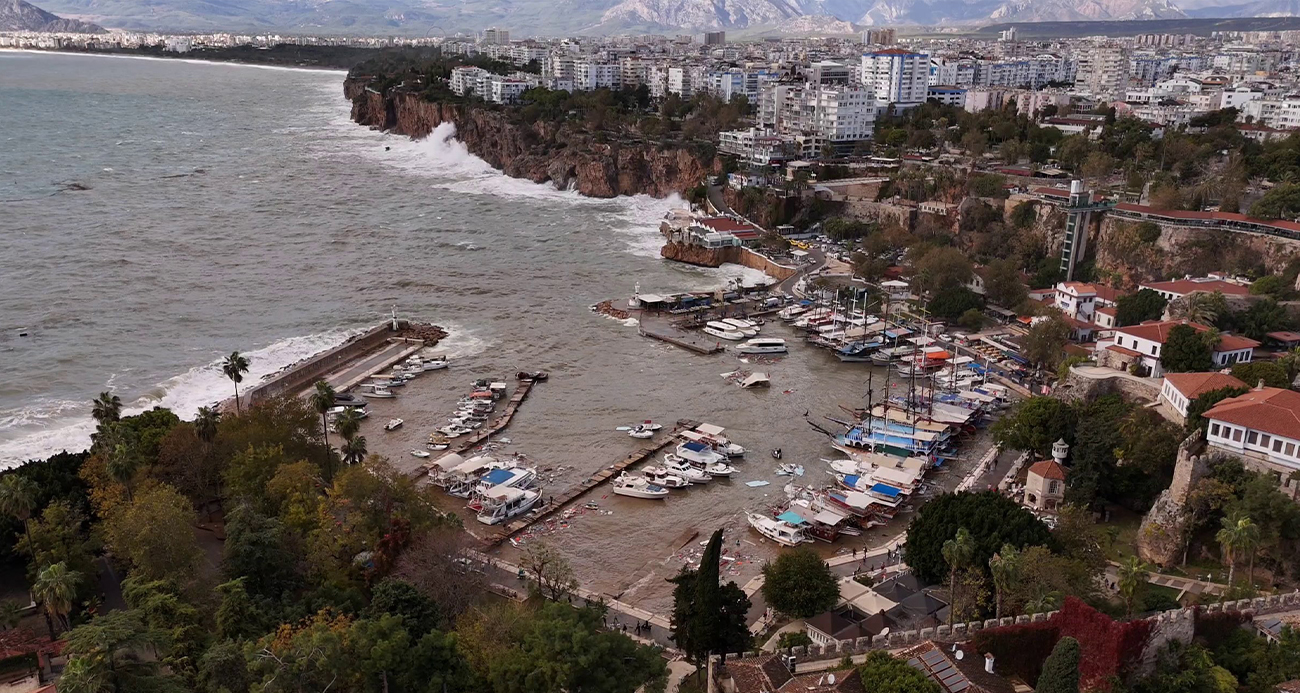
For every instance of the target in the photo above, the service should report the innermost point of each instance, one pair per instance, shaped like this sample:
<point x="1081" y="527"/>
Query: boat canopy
<point x="472" y="465"/>
<point x="790" y="518"/>
<point x="445" y="463"/>
<point x="695" y="446"/>
<point x="901" y="478"/>
<point x="504" y="493"/>
<point x="710" y="429"/>
<point x="886" y="490"/>
<point x="498" y="476"/>
<point x="922" y="341"/>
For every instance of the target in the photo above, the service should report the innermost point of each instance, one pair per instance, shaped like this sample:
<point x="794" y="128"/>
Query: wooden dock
<point x="685" y="340"/>
<point x="591" y="482"/>
<point x="495" y="427"/>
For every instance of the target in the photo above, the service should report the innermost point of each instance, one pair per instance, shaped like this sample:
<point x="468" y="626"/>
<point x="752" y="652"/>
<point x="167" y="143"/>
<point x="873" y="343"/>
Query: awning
<point x="886" y="490"/>
<point x="790" y="518"/>
<point x="710" y="429"/>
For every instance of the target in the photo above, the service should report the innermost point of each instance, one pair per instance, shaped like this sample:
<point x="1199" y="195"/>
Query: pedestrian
<point x="625" y="628"/>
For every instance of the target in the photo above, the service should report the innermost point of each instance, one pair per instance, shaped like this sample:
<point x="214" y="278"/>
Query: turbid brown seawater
<point x="229" y="207"/>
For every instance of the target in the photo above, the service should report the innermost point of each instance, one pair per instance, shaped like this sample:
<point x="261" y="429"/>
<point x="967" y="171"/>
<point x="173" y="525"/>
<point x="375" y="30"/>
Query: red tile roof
<point x="1107" y="310"/>
<point x="726" y="224"/>
<point x="1205" y="216"/>
<point x="1157" y="330"/>
<point x="759" y="675"/>
<point x="1232" y="342"/>
<point x="1048" y="469"/>
<point x="1106" y="293"/>
<point x="1271" y="410"/>
<point x="824" y="682"/>
<point x="1123" y="350"/>
<point x="1080" y="288"/>
<point x="1187" y="286"/>
<point x="1193" y="385"/>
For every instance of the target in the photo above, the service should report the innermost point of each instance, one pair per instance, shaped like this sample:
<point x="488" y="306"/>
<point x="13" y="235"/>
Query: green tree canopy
<point x="1185" y="351"/>
<point x="992" y="520"/>
<point x="1251" y="373"/>
<point x="884" y="673"/>
<point x="1132" y="309"/>
<point x="800" y="584"/>
<point x="1061" y="669"/>
<point x="1034" y="424"/>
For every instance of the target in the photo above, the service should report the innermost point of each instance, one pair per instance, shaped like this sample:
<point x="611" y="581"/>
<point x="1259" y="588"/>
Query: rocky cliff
<point x="696" y="255"/>
<point x="561" y="153"/>
<point x="1182" y="250"/>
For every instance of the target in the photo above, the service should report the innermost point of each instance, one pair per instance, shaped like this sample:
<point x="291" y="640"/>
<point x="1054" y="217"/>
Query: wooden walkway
<point x="593" y="481"/>
<point x="685" y="340"/>
<point x="497" y="425"/>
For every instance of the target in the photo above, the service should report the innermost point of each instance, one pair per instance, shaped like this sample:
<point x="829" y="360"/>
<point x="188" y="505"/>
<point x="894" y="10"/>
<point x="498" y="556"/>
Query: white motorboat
<point x="512" y="476"/>
<point x="763" y="345"/>
<point x="718" y="469"/>
<point x="436" y="363"/>
<point x="889" y="354"/>
<point x="506" y="502"/>
<point x="746" y="328"/>
<point x="638" y="487"/>
<point x="682" y="468"/>
<point x="393" y="424"/>
<point x="791" y="312"/>
<point x="662" y="477"/>
<point x="437" y="447"/>
<point x="731" y="335"/>
<point x="377" y="392"/>
<point x="641" y="433"/>
<point x="419" y="453"/>
<point x="698" y="452"/>
<point x="779" y="531"/>
<point x="453" y="430"/>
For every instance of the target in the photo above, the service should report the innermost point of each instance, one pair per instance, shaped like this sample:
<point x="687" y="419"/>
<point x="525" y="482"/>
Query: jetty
<point x="591" y="482"/>
<point x="499" y="424"/>
<point x="686" y="340"/>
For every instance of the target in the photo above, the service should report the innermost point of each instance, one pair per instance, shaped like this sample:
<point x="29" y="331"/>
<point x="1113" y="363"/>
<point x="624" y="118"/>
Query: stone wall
<point x="882" y="211"/>
<point x="298" y="376"/>
<point x="1078" y="388"/>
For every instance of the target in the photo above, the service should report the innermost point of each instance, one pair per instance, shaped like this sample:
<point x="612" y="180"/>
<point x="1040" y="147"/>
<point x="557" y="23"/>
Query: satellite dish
<point x="830" y="679"/>
<point x="959" y="654"/>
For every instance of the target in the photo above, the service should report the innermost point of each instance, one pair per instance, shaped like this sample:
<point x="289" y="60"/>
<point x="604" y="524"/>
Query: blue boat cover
<point x="498" y="476"/>
<point x="790" y="517"/>
<point x="851" y="480"/>
<point x="695" y="447"/>
<point x="886" y="490"/>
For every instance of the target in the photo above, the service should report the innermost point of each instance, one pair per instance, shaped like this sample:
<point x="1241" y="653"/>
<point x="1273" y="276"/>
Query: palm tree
<point x="1005" y="566"/>
<point x="354" y="450"/>
<point x="107" y="408"/>
<point x="121" y="465"/>
<point x="1043" y="602"/>
<point x="235" y="366"/>
<point x="1132" y="575"/>
<point x="348" y="423"/>
<point x="1198" y="307"/>
<point x="1238" y="534"/>
<point x="18" y="500"/>
<point x="957" y="552"/>
<point x="322" y="400"/>
<point x="55" y="589"/>
<point x="205" y="424"/>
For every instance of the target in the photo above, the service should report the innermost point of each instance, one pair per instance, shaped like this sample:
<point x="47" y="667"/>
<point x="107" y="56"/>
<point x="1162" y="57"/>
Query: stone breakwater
<point x="557" y="152"/>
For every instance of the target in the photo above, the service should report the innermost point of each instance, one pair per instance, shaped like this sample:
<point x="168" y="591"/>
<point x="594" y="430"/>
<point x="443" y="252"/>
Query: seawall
<point x="715" y="257"/>
<point x="564" y="153"/>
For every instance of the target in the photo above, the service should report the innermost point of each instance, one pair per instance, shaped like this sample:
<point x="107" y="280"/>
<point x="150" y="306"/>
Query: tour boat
<point x="505" y="502"/>
<point x="377" y="392"/>
<point x="661" y="476"/>
<point x="698" y="451"/>
<point x="731" y="335"/>
<point x="638" y="487"/>
<point x="746" y="328"/>
<point x="684" y="469"/>
<point x="779" y="531"/>
<point x="504" y="476"/>
<point x="763" y="345"/>
<point x="393" y="424"/>
<point x="419" y="453"/>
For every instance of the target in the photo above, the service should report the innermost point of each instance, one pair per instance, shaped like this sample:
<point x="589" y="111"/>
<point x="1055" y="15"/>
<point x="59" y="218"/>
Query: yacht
<point x="744" y="327"/>
<point x="454" y="430"/>
<point x="638" y="487"/>
<point x="723" y="333"/>
<point x="377" y="392"/>
<point x="697" y="452"/>
<point x="763" y="345"/>
<point x="662" y="477"/>
<point x="684" y="469"/>
<point x="884" y="356"/>
<point x="779" y="531"/>
<point x="393" y="424"/>
<point x="511" y="477"/>
<point x="505" y="502"/>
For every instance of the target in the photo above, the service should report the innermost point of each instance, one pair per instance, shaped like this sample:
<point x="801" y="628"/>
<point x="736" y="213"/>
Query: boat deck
<point x="593" y="481"/>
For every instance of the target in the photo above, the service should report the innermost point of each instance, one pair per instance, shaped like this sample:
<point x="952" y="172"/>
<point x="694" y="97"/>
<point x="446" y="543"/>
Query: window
<point x="1252" y="438"/>
<point x="1277" y="445"/>
<point x="1263" y="441"/>
<point x="1214" y="429"/>
<point x="1236" y="435"/>
<point x="1290" y="450"/>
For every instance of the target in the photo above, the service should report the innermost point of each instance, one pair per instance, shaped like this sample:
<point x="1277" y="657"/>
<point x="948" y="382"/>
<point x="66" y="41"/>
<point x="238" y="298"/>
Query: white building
<point x="1263" y="428"/>
<point x="496" y="37"/>
<point x="1143" y="344"/>
<point x="1102" y="71"/>
<point x="1180" y="389"/>
<point x="467" y="81"/>
<point x="679" y="82"/>
<point x="1077" y="300"/>
<point x="1237" y="97"/>
<point x="897" y="76"/>
<point x="589" y="75"/>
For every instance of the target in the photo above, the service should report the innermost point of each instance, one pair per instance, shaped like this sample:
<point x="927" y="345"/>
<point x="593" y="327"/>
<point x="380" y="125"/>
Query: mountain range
<point x="561" y="17"/>
<point x="17" y="15"/>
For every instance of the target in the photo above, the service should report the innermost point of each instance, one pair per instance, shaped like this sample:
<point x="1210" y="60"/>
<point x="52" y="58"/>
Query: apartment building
<point x="897" y="76"/>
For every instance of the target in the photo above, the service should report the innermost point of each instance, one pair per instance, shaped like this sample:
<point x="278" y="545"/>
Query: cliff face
<point x="1184" y="250"/>
<point x="540" y="151"/>
<point x="696" y="255"/>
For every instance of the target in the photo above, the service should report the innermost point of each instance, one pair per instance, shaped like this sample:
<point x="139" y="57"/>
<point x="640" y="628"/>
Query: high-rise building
<point x="897" y="76"/>
<point x="496" y="37"/>
<point x="1078" y="217"/>
<point x="1102" y="72"/>
<point x="715" y="38"/>
<point x="880" y="37"/>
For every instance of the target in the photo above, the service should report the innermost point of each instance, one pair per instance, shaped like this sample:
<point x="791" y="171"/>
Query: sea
<point x="158" y="214"/>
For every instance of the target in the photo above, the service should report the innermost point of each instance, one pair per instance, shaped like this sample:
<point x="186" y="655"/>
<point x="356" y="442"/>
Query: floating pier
<point x="497" y="425"/>
<point x="593" y="481"/>
<point x="699" y="343"/>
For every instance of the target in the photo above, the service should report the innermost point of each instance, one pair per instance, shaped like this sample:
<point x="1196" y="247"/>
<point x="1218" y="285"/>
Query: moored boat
<point x="393" y="424"/>
<point x="731" y="335"/>
<point x="505" y="502"/>
<point x="638" y="487"/>
<point x="779" y="531"/>
<point x="763" y="345"/>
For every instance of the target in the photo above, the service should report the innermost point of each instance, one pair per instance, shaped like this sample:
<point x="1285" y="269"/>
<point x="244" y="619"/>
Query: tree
<point x="419" y="613"/>
<point x="235" y="366"/>
<point x="1199" y="307"/>
<point x="1269" y="285"/>
<point x="348" y="423"/>
<point x="1097" y="165"/>
<point x="1147" y="232"/>
<point x="550" y="569"/>
<point x="354" y="450"/>
<point x="1035" y="424"/>
<point x="942" y="268"/>
<point x="884" y="673"/>
<point x="258" y="551"/>
<point x="1282" y="202"/>
<point x="973" y="319"/>
<point x="18" y="500"/>
<point x="975" y="143"/>
<point x="107" y="408"/>
<point x="957" y="553"/>
<point x="709" y="618"/>
<point x="992" y="521"/>
<point x="1005" y="568"/>
<point x="1132" y="309"/>
<point x="58" y="537"/>
<point x="206" y="424"/>
<point x="55" y="590"/>
<point x="951" y="302"/>
<point x="1061" y="668"/>
<point x="1238" y="535"/>
<point x="1185" y="351"/>
<point x="1268" y="372"/>
<point x="224" y="669"/>
<point x="1046" y="340"/>
<point x="322" y="400"/>
<point x="154" y="535"/>
<point x="1132" y="579"/>
<point x="800" y="584"/>
<point x="1002" y="284"/>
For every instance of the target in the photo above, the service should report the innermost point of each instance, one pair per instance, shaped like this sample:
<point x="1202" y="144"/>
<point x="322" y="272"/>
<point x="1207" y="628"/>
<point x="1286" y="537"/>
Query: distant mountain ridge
<point x="569" y="17"/>
<point x="17" y="15"/>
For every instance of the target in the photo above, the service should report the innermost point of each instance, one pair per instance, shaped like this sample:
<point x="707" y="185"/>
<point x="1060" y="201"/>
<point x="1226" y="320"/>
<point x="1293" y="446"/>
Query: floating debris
<point x="756" y="484"/>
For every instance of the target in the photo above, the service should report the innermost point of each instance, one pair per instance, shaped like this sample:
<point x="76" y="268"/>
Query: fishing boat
<point x="377" y="392"/>
<point x="420" y="454"/>
<point x="779" y="531"/>
<point x="744" y="327"/>
<point x="731" y="335"/>
<point x="686" y="470"/>
<point x="393" y="424"/>
<point x="638" y="487"/>
<point x="505" y="502"/>
<point x="763" y="345"/>
<point x="662" y="477"/>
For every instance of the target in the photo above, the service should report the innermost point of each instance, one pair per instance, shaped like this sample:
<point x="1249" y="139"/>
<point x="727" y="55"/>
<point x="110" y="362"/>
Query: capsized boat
<point x="638" y="487"/>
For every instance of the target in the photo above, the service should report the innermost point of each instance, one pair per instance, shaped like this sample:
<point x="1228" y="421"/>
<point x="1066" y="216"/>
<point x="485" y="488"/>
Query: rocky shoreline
<point x="560" y="153"/>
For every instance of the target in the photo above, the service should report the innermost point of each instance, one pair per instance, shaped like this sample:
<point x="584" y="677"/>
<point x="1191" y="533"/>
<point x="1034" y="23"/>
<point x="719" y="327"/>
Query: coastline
<point x="178" y="59"/>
